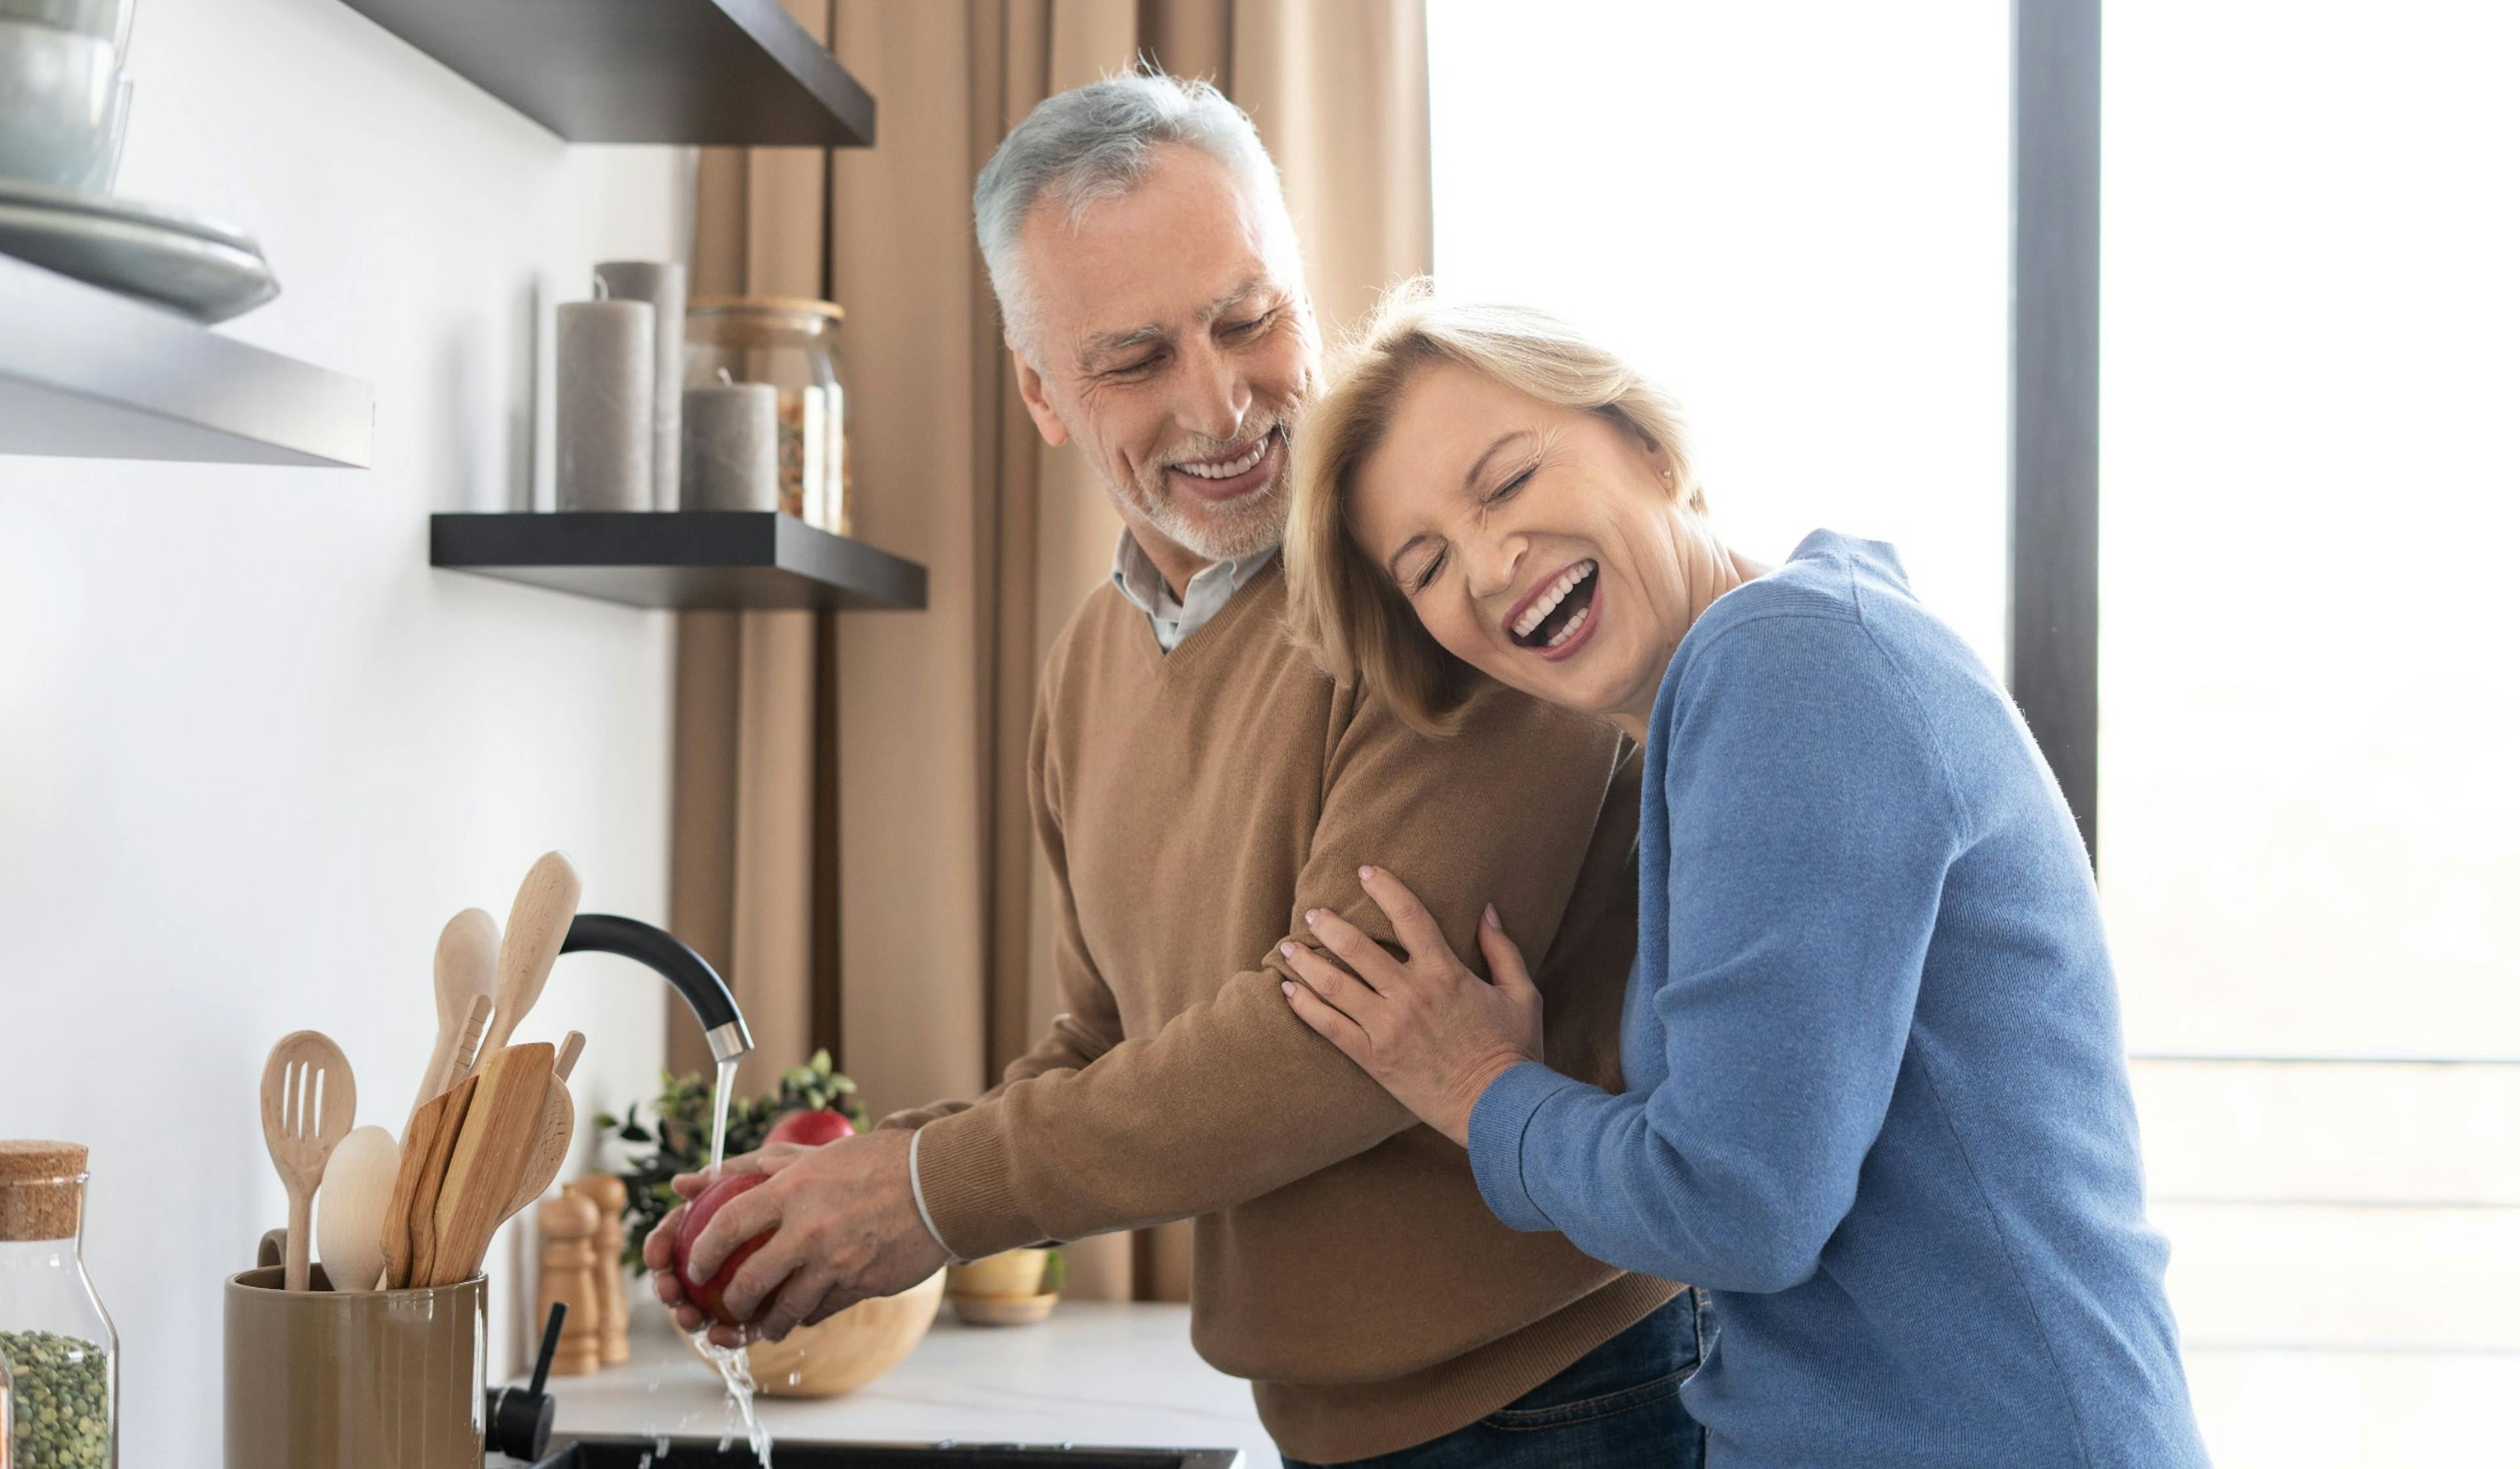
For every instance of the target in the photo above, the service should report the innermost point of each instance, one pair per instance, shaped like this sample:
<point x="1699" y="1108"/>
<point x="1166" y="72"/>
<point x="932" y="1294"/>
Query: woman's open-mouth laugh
<point x="1558" y="617"/>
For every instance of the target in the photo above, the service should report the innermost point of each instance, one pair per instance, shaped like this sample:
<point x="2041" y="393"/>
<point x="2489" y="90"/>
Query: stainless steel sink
<point x="790" y="1454"/>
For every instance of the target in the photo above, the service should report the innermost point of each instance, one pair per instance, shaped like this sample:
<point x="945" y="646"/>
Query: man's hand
<point x="1431" y="1030"/>
<point x="847" y="1228"/>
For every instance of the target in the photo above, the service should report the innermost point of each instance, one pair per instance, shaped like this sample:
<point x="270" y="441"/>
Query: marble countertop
<point x="1094" y="1373"/>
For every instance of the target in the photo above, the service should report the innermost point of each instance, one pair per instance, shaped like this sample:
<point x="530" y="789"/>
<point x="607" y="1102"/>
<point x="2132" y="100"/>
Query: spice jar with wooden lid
<point x="54" y="1333"/>
<point x="790" y="343"/>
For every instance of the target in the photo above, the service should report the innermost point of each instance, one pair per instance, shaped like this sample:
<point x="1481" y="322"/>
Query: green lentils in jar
<point x="57" y="1401"/>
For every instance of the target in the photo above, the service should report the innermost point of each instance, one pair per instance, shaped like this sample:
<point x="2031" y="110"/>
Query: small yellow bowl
<point x="1004" y="1310"/>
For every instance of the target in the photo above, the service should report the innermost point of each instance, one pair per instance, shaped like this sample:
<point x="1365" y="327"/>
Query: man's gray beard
<point x="1246" y="527"/>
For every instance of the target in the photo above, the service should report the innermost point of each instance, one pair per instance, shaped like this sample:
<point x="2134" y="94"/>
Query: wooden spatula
<point x="420" y="1214"/>
<point x="537" y="925"/>
<point x="394" y="1229"/>
<point x="489" y="1157"/>
<point x="309" y="1099"/>
<point x="564" y="1060"/>
<point x="466" y="966"/>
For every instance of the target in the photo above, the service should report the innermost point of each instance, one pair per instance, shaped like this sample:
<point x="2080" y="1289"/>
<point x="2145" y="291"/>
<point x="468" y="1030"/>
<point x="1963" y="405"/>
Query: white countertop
<point x="1094" y="1373"/>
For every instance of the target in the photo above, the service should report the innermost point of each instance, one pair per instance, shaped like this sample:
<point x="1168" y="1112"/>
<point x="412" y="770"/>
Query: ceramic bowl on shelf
<point x="61" y="105"/>
<point x="849" y="1350"/>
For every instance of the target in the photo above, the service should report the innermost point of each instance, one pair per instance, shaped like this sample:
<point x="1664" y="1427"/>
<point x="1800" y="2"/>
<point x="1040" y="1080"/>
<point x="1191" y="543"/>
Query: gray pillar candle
<point x="730" y="447"/>
<point x="658" y="283"/>
<point x="606" y="418"/>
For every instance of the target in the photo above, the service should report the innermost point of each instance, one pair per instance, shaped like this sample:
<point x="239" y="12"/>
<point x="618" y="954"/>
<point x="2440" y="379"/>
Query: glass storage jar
<point x="790" y="343"/>
<point x="54" y="1333"/>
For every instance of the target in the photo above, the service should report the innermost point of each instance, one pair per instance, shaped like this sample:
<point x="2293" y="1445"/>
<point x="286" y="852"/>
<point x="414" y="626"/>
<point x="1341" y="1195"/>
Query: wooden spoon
<point x="466" y="966"/>
<point x="358" y="1184"/>
<point x="459" y="1059"/>
<point x="553" y="1134"/>
<point x="537" y="925"/>
<point x="308" y="1100"/>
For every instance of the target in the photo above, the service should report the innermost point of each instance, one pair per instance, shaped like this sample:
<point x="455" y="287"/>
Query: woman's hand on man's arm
<point x="1431" y="1030"/>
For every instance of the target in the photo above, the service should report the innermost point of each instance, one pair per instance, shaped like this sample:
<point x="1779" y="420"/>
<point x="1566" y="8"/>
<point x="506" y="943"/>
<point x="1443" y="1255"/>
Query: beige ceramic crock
<point x="368" y="1380"/>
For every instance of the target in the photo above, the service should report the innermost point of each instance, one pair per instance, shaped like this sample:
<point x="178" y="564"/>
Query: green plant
<point x="674" y="1138"/>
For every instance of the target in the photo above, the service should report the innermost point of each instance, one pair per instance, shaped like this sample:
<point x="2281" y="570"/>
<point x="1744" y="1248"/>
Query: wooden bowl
<point x="1004" y="1310"/>
<point x="851" y="1349"/>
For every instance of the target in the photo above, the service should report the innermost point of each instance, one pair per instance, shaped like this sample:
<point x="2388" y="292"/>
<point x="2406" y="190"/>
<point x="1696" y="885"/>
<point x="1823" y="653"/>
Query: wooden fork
<point x="309" y="1099"/>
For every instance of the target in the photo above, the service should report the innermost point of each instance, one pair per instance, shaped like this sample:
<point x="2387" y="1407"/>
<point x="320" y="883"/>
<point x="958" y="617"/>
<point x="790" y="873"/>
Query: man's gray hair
<point x="1093" y="144"/>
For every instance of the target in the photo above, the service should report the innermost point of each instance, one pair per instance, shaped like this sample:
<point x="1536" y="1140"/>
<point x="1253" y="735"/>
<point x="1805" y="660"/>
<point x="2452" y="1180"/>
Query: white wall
<point x="253" y="752"/>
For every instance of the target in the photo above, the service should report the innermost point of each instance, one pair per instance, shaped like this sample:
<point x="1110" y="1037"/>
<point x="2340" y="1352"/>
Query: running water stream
<point x="734" y="1368"/>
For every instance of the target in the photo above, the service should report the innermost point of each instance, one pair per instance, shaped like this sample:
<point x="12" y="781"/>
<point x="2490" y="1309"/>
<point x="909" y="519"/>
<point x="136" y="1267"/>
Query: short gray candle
<point x="608" y="406"/>
<point x="730" y="447"/>
<point x="658" y="283"/>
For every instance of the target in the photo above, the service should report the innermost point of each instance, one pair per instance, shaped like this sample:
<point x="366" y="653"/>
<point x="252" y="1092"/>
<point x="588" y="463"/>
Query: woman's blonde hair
<point x="1344" y="609"/>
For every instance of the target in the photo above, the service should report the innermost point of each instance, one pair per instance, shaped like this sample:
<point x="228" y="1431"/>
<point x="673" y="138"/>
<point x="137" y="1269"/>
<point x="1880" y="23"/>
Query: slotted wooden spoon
<point x="309" y="1099"/>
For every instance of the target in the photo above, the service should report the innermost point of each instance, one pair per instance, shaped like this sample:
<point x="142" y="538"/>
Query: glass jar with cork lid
<point x="730" y="346"/>
<point x="54" y="1334"/>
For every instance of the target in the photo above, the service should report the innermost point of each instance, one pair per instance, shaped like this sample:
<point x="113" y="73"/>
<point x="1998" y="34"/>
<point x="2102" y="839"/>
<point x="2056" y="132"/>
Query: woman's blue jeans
<point x="1616" y="1408"/>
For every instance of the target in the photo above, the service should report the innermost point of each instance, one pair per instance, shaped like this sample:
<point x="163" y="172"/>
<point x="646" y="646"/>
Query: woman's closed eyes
<point x="1500" y="495"/>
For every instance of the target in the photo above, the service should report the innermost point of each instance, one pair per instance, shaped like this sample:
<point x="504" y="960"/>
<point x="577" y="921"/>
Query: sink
<point x="790" y="1453"/>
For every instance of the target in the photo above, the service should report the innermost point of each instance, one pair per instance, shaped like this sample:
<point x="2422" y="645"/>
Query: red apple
<point x="710" y="1295"/>
<point x="810" y="1128"/>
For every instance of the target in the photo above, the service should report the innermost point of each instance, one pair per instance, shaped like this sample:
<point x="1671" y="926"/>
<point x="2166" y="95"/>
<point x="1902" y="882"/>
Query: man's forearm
<point x="1151" y="1132"/>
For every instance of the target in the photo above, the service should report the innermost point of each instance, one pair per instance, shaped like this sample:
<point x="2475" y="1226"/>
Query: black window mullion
<point x="2053" y="576"/>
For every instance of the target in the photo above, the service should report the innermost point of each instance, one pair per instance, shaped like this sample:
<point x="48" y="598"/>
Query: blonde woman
<point x="1876" y="1101"/>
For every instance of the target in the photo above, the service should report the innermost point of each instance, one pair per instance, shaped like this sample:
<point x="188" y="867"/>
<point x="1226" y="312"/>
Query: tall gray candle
<point x="658" y="283"/>
<point x="730" y="447"/>
<point x="608" y="406"/>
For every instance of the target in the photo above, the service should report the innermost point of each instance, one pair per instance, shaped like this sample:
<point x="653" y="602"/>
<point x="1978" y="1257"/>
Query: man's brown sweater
<point x="1192" y="806"/>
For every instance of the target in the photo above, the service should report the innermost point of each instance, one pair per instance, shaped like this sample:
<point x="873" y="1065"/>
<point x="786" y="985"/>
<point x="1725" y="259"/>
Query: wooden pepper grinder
<point x="568" y="1224"/>
<point x="610" y="1197"/>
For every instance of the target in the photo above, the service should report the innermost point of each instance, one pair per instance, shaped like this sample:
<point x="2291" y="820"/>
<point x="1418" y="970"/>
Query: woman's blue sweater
<point x="1876" y="1099"/>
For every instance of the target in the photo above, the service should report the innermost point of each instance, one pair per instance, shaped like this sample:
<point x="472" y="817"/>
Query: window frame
<point x="2053" y="575"/>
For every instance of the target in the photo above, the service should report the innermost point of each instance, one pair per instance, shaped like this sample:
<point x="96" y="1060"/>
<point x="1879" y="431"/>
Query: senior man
<point x="1198" y="786"/>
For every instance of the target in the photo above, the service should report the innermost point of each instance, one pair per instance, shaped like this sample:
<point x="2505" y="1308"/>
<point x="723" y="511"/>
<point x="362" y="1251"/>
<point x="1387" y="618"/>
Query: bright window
<point x="2310" y="787"/>
<point x="1796" y="222"/>
<point x="2309" y="801"/>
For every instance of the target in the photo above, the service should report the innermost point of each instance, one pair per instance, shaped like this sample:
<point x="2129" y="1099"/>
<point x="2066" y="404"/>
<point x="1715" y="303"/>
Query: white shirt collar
<point x="1133" y="573"/>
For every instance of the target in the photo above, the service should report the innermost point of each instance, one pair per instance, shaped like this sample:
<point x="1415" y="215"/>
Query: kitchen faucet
<point x="706" y="994"/>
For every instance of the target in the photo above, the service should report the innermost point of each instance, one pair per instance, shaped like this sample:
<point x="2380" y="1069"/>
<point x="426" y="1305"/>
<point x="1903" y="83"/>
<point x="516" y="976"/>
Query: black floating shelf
<point x="716" y="72"/>
<point x="681" y="559"/>
<point x="91" y="375"/>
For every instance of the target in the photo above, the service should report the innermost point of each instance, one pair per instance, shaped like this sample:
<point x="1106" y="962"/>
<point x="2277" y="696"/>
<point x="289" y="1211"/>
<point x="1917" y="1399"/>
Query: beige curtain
<point x="852" y="840"/>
